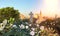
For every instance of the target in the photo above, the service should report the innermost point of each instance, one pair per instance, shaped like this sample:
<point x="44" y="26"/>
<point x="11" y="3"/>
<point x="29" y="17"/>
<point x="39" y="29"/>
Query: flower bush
<point x="19" y="28"/>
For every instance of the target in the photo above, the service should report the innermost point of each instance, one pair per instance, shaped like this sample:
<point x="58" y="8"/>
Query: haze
<point x="50" y="7"/>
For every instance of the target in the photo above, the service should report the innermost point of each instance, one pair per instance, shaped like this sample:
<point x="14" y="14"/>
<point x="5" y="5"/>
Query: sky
<point x="48" y="7"/>
<point x="51" y="7"/>
<point x="24" y="6"/>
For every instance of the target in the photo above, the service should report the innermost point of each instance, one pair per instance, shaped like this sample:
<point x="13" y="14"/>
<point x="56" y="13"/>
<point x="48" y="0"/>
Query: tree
<point x="8" y="12"/>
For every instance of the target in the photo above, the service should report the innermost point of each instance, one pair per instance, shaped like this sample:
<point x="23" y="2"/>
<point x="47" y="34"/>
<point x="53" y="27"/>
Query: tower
<point x="40" y="18"/>
<point x="55" y="16"/>
<point x="31" y="17"/>
<point x="40" y="14"/>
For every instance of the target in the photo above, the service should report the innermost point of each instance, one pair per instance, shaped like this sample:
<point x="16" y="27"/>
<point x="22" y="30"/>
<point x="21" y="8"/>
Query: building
<point x="40" y="18"/>
<point x="31" y="17"/>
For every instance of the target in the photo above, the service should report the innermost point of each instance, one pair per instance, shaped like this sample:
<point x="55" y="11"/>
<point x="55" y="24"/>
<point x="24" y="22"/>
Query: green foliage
<point x="18" y="31"/>
<point x="6" y="13"/>
<point x="14" y="28"/>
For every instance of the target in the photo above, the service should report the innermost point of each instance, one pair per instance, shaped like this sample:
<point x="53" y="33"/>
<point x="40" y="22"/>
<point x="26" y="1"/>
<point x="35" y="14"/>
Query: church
<point x="40" y="18"/>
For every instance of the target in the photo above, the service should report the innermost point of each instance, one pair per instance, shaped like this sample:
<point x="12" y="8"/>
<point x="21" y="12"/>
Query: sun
<point x="50" y="6"/>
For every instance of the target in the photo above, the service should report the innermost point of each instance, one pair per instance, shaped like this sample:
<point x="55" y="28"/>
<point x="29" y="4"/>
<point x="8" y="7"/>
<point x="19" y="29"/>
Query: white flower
<point x="42" y="28"/>
<point x="5" y="21"/>
<point x="27" y="27"/>
<point x="26" y="22"/>
<point x="19" y="25"/>
<point x="49" y="28"/>
<point x="22" y="26"/>
<point x="51" y="23"/>
<point x="2" y="26"/>
<point x="37" y="25"/>
<point x="32" y="33"/>
<point x="39" y="32"/>
<point x="15" y="26"/>
<point x="11" y="24"/>
<point x="33" y="29"/>
<point x="29" y="24"/>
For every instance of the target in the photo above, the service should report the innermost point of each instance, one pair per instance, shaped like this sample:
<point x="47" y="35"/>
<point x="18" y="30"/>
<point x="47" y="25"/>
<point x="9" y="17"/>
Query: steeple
<point x="40" y="14"/>
<point x="55" y="16"/>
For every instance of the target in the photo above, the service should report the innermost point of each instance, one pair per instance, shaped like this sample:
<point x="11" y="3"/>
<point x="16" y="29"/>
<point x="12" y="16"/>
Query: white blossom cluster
<point x="33" y="31"/>
<point x="22" y="26"/>
<point x="2" y="25"/>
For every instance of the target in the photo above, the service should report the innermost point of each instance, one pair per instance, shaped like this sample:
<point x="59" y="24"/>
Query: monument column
<point x="31" y="17"/>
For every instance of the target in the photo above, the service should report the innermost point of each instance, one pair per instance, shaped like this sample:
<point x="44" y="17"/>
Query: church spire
<point x="40" y="13"/>
<point x="55" y="16"/>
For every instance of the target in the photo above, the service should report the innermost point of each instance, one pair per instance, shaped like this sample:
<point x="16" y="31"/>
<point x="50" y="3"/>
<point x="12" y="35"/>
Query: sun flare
<point x="50" y="7"/>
